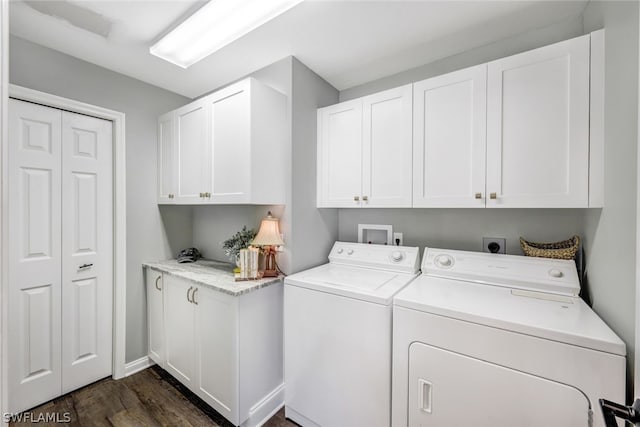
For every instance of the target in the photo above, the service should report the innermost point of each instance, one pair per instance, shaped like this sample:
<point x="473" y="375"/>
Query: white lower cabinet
<point x="155" y="318"/>
<point x="227" y="349"/>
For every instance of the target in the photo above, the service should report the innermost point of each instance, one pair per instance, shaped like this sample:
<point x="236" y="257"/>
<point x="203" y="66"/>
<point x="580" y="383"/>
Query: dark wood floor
<point x="149" y="398"/>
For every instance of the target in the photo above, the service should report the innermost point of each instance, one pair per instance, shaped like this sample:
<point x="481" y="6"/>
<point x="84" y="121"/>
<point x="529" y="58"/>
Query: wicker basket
<point x="565" y="249"/>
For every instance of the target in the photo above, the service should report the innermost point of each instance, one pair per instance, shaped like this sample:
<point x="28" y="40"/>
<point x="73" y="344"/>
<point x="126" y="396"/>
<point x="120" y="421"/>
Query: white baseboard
<point x="137" y="365"/>
<point x="266" y="408"/>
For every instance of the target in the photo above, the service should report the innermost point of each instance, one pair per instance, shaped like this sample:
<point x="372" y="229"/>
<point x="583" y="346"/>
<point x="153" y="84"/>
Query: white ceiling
<point x="346" y="42"/>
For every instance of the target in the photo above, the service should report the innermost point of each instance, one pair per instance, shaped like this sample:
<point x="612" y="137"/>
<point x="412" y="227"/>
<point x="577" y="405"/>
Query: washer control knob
<point x="396" y="256"/>
<point x="350" y="252"/>
<point x="444" y="261"/>
<point x="340" y="250"/>
<point x="554" y="272"/>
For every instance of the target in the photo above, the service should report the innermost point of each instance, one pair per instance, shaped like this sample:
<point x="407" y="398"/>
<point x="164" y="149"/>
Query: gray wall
<point x="314" y="230"/>
<point x="46" y="70"/>
<point x="610" y="235"/>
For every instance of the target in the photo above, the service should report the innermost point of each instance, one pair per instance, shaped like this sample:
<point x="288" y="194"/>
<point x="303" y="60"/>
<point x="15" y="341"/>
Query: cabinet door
<point x="179" y="330"/>
<point x="340" y="155"/>
<point x="230" y="141"/>
<point x="450" y="139"/>
<point x="166" y="159"/>
<point x="538" y="127"/>
<point x="386" y="164"/>
<point x="87" y="250"/>
<point x="192" y="151"/>
<point x="217" y="351"/>
<point x="155" y="316"/>
<point x="34" y="255"/>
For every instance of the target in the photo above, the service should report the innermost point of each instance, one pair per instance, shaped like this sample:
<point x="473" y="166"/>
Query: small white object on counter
<point x="214" y="274"/>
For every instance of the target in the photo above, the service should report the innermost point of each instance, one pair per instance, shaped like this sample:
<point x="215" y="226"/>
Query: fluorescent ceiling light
<point x="214" y="26"/>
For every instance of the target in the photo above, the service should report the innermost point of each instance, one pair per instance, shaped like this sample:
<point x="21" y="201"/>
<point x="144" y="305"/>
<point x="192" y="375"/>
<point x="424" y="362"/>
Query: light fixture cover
<point x="269" y="233"/>
<point x="214" y="26"/>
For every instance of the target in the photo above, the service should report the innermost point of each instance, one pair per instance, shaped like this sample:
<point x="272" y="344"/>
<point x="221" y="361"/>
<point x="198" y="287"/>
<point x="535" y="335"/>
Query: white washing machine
<point x="500" y="341"/>
<point x="337" y="335"/>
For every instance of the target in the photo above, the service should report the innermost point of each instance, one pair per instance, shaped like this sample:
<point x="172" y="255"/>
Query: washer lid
<point x="366" y="284"/>
<point x="512" y="271"/>
<point x="549" y="316"/>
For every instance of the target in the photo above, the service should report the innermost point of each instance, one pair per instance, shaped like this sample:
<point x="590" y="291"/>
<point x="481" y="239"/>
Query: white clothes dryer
<point x="337" y="335"/>
<point x="500" y="341"/>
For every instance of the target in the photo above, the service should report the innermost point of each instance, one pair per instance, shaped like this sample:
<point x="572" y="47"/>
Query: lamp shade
<point x="269" y="233"/>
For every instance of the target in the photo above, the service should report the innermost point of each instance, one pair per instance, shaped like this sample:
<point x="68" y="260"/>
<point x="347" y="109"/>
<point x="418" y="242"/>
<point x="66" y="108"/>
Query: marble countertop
<point x="214" y="274"/>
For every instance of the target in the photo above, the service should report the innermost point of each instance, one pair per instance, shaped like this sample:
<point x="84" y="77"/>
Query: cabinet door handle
<point x="157" y="280"/>
<point x="188" y="298"/>
<point x="193" y="296"/>
<point x="84" y="266"/>
<point x="356" y="198"/>
<point x="207" y="195"/>
<point x="365" y="198"/>
<point x="478" y="195"/>
<point x="201" y="195"/>
<point x="493" y="196"/>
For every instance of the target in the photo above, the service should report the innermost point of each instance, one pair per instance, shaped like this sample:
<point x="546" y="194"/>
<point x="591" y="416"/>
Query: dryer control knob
<point x="554" y="272"/>
<point x="350" y="251"/>
<point x="340" y="250"/>
<point x="396" y="256"/>
<point x="444" y="261"/>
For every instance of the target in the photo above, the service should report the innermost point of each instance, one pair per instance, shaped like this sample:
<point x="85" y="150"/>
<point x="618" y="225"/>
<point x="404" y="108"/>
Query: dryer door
<point x="451" y="389"/>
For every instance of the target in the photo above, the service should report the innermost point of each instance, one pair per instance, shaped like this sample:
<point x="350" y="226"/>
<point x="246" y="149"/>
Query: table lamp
<point x="269" y="238"/>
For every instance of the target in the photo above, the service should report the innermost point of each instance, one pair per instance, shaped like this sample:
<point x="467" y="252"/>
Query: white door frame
<point x="4" y="290"/>
<point x="119" y="213"/>
<point x="636" y="361"/>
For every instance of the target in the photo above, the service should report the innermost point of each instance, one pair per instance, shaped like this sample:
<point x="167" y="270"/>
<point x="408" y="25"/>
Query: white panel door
<point x="450" y="139"/>
<point x="87" y="250"/>
<point x="451" y="389"/>
<point x="34" y="255"/>
<point x="340" y="155"/>
<point x="230" y="142"/>
<point x="386" y="164"/>
<point x="538" y="127"/>
<point x="216" y="361"/>
<point x="166" y="159"/>
<point x="155" y="315"/>
<point x="179" y="329"/>
<point x="192" y="151"/>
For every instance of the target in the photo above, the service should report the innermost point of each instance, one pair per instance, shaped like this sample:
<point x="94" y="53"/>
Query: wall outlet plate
<point x="496" y="245"/>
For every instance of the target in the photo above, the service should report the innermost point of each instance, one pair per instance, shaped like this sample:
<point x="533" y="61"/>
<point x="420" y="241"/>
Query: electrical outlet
<point x="397" y="239"/>
<point x="496" y="245"/>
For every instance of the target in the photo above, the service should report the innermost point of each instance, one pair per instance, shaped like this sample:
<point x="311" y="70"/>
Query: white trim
<point x="262" y="411"/>
<point x="138" y="365"/>
<point x="119" y="210"/>
<point x="4" y="290"/>
<point x="636" y="361"/>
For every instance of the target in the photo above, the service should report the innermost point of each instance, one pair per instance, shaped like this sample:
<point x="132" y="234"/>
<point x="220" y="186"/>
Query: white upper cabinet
<point x="538" y="127"/>
<point x="228" y="148"/>
<point x="190" y="130"/>
<point x="364" y="151"/>
<point x="166" y="159"/>
<point x="340" y="154"/>
<point x="386" y="160"/>
<point x="449" y="139"/>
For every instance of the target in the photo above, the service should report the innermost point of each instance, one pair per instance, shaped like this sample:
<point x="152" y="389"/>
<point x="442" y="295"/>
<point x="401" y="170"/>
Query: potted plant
<point x="241" y="240"/>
